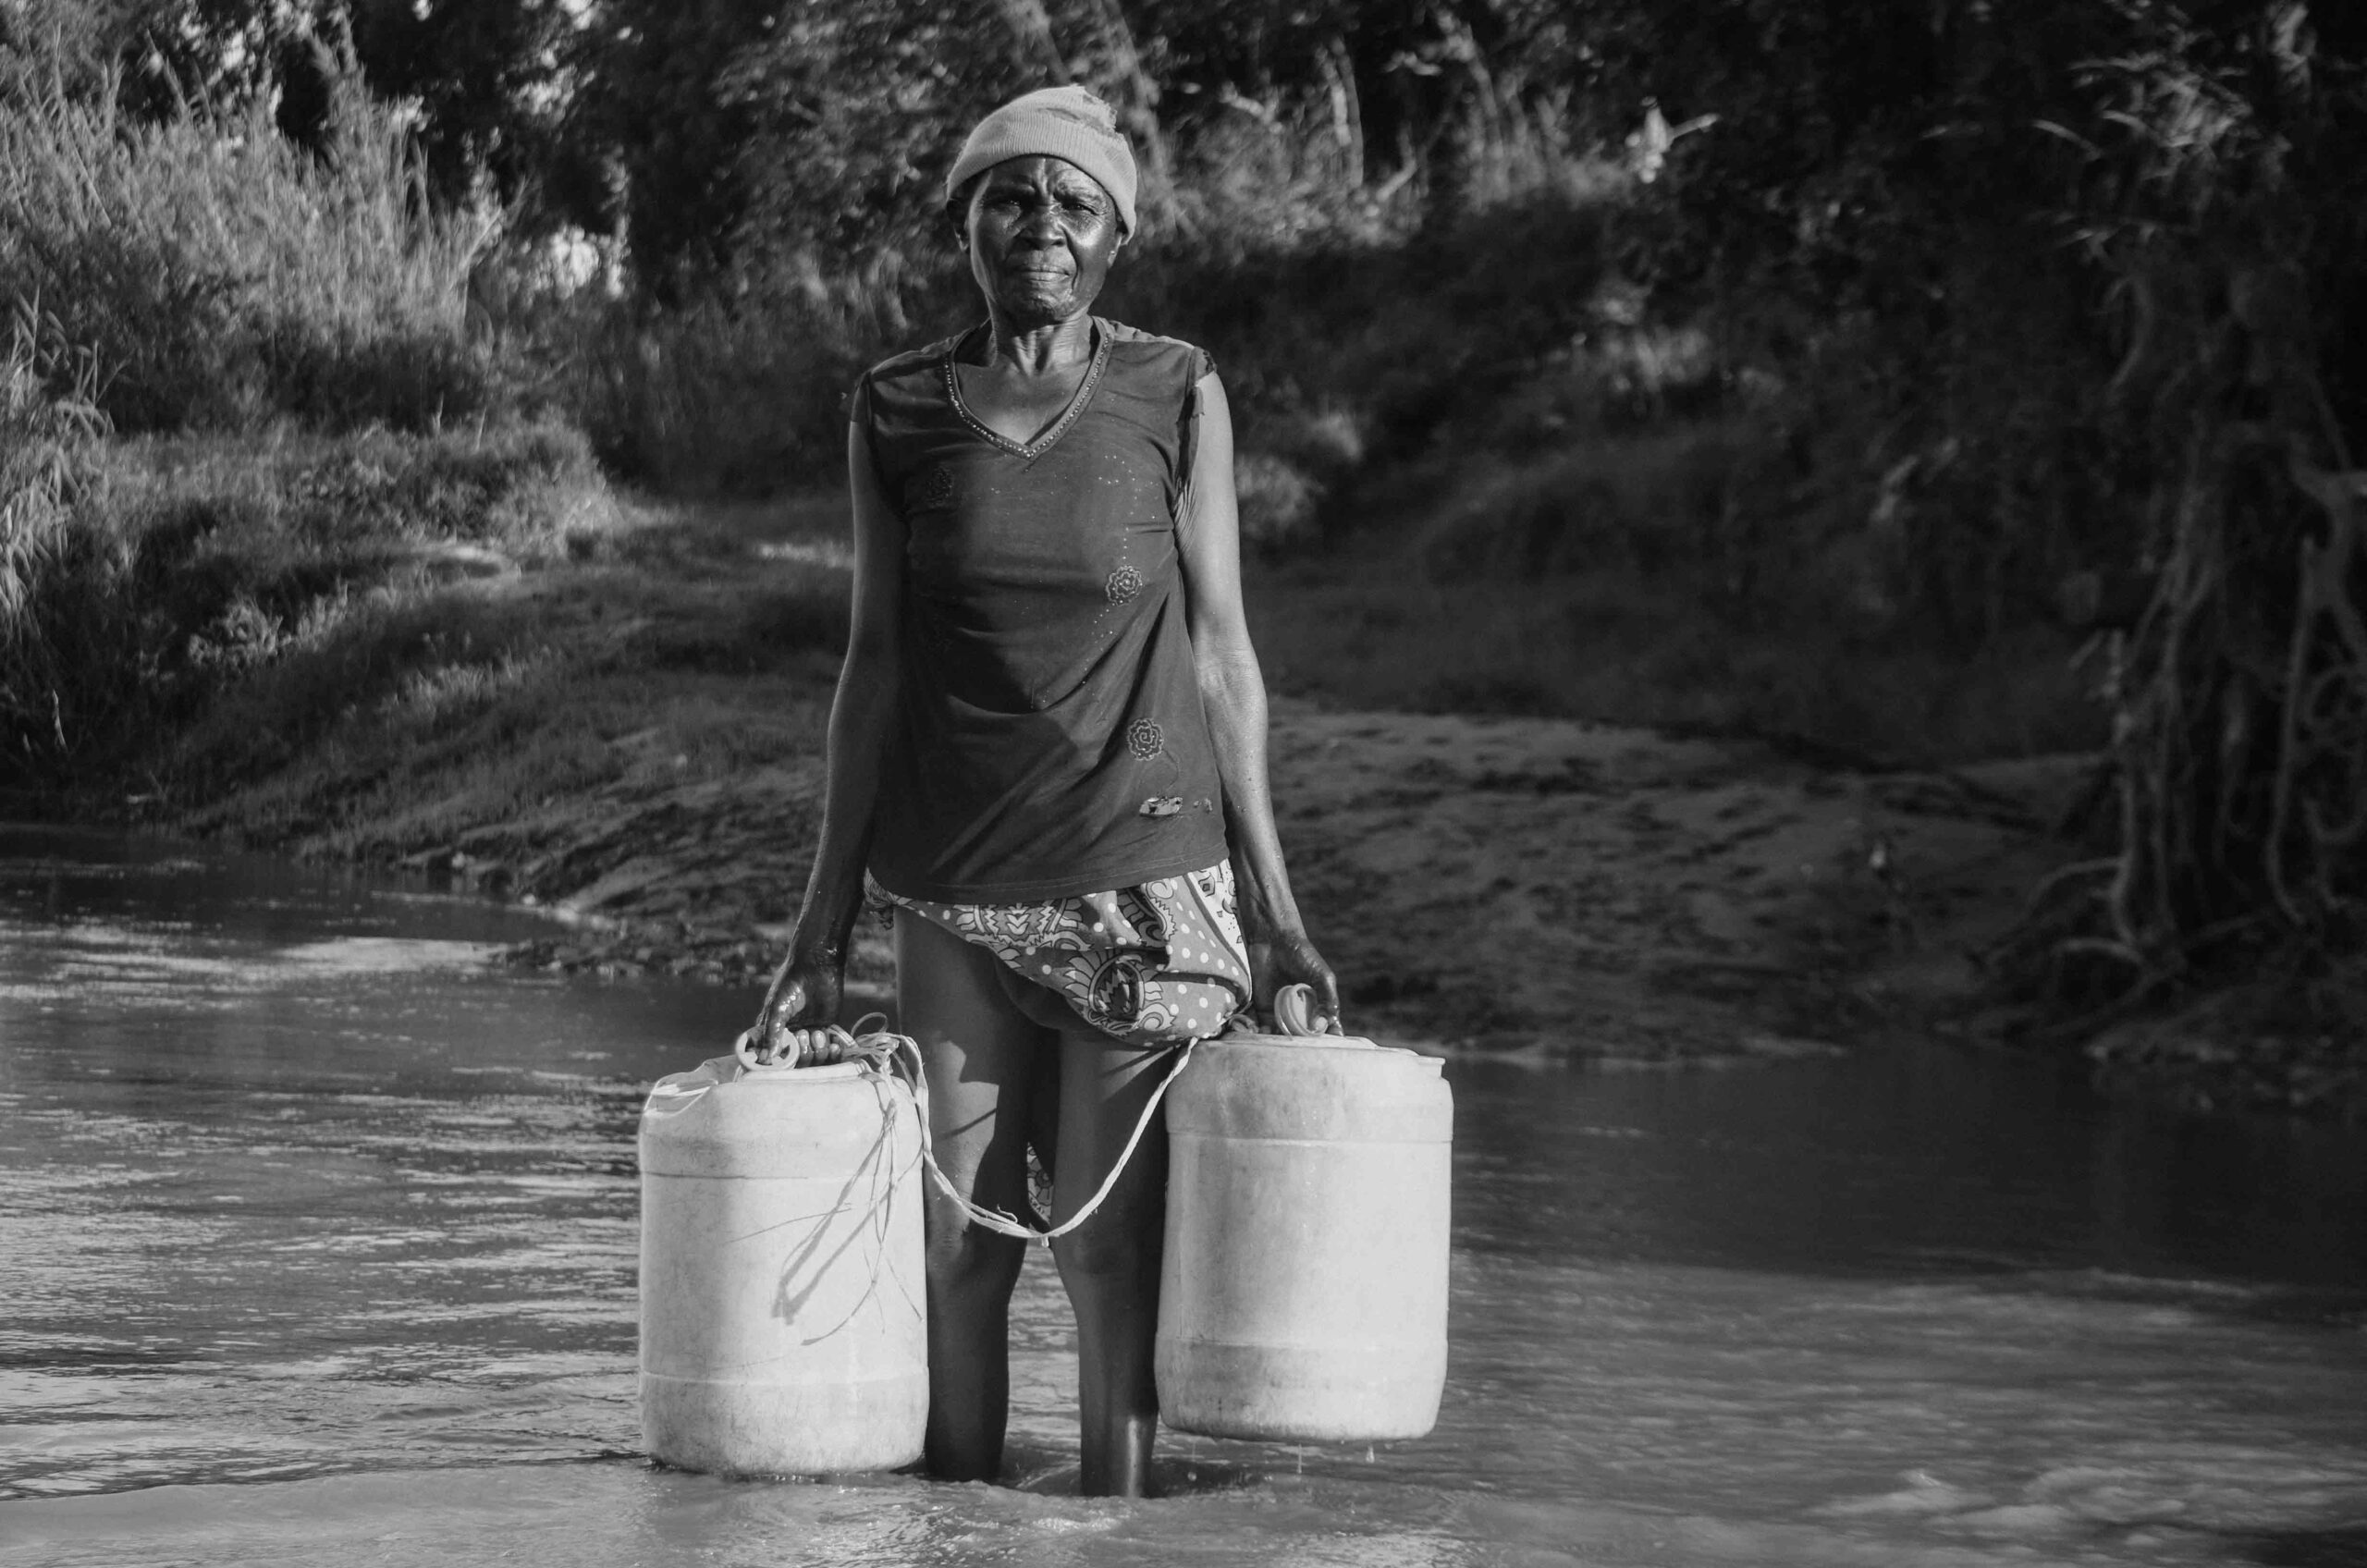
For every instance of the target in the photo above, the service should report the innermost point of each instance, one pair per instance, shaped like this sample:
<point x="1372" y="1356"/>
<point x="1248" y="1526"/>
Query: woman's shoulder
<point x="1149" y="351"/>
<point x="901" y="389"/>
<point x="921" y="362"/>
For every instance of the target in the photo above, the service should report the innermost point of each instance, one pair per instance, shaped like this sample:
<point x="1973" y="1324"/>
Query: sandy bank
<point x="1489" y="884"/>
<point x="633" y="738"/>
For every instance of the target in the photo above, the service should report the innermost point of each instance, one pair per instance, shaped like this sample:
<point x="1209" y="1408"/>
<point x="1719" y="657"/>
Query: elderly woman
<point x="1049" y="751"/>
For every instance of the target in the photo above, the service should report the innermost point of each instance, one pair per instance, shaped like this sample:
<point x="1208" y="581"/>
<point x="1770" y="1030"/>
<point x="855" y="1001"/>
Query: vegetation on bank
<point x="1918" y="387"/>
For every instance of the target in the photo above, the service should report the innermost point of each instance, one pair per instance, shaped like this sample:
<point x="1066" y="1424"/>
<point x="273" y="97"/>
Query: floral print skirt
<point x="1159" y="963"/>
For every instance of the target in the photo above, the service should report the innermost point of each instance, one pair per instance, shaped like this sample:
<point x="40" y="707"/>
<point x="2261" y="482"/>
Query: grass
<point x="190" y="576"/>
<point x="1623" y="647"/>
<point x="221" y="277"/>
<point x="527" y="732"/>
<point x="735" y="393"/>
<point x="1608" y="511"/>
<point x="336" y="557"/>
<point x="1676" y="572"/>
<point x="659" y="593"/>
<point x="59" y="579"/>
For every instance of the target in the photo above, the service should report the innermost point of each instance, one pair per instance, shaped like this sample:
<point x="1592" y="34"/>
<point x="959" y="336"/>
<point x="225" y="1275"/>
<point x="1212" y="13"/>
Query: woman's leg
<point x="981" y="1056"/>
<point x="1111" y="1263"/>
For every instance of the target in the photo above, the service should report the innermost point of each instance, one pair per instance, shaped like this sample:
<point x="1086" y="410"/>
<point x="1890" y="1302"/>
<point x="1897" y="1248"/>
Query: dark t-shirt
<point x="1049" y="740"/>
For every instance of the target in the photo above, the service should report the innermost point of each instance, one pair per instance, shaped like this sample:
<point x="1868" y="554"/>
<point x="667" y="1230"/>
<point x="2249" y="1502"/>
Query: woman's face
<point x="1040" y="234"/>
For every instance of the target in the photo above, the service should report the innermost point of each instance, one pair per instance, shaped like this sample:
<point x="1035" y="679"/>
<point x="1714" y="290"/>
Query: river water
<point x="317" y="1245"/>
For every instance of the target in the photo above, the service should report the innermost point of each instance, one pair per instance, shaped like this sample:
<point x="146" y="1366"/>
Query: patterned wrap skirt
<point x="1157" y="964"/>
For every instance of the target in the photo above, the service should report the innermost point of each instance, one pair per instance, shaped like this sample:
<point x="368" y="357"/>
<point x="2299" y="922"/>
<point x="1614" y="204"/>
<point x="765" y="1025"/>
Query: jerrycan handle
<point x="1294" y="1013"/>
<point x="789" y="1049"/>
<point x="754" y="1063"/>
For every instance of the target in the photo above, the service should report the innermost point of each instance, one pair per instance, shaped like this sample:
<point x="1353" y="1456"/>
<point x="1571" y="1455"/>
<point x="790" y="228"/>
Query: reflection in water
<point x="293" y="1190"/>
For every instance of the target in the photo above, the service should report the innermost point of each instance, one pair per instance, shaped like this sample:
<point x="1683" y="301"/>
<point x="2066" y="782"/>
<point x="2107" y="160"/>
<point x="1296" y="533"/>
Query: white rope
<point x="879" y="1047"/>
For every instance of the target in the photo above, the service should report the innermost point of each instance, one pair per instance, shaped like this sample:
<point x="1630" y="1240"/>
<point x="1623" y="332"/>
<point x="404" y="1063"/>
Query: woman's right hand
<point x="803" y="996"/>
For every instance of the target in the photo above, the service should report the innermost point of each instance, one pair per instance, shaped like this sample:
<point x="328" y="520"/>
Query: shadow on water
<point x="1913" y="1160"/>
<point x="1048" y="1473"/>
<point x="2342" y="1547"/>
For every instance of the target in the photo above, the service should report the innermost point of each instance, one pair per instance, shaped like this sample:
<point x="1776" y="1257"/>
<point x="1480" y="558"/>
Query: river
<point x="317" y="1238"/>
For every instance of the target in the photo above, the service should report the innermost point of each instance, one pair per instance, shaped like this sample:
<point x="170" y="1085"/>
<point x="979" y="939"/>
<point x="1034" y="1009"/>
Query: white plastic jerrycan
<point x="783" y="1328"/>
<point x="1302" y="1295"/>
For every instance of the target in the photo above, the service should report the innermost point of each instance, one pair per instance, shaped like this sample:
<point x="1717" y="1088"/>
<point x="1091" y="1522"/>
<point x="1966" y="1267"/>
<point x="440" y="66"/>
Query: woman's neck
<point x="1036" y="348"/>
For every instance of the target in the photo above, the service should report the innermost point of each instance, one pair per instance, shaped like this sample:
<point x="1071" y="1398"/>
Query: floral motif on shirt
<point x="1144" y="739"/>
<point x="933" y="488"/>
<point x="1122" y="584"/>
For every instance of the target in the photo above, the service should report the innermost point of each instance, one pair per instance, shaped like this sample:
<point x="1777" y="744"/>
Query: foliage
<point x="222" y="276"/>
<point x="833" y="165"/>
<point x="730" y="392"/>
<point x="57" y="578"/>
<point x="1852" y="330"/>
<point x="2222" y="190"/>
<point x="142" y="575"/>
<point x="488" y="78"/>
<point x="650" y="103"/>
<point x="145" y="54"/>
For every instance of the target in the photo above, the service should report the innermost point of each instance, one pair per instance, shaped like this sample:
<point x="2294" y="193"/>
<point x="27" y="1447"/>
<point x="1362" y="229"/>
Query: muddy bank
<point x="632" y="737"/>
<point x="1486" y="884"/>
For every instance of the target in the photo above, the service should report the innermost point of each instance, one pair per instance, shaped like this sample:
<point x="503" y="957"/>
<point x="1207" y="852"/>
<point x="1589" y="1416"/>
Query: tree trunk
<point x="1135" y="95"/>
<point x="1031" y="39"/>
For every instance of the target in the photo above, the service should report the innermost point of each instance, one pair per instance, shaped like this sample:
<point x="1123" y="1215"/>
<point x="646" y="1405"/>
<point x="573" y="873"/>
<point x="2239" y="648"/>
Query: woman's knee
<point x="965" y="1257"/>
<point x="1106" y="1248"/>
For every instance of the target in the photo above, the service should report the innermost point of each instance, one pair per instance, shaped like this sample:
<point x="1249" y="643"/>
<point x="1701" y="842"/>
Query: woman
<point x="1049" y="731"/>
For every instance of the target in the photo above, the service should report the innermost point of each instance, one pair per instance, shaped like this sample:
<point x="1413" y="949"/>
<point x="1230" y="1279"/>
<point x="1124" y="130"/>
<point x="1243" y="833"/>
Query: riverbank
<point x="615" y="714"/>
<point x="628" y="733"/>
<point x="1531" y="887"/>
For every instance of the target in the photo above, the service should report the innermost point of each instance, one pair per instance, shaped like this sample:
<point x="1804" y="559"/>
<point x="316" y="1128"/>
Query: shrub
<point x="137" y="577"/>
<point x="729" y="394"/>
<point x="222" y="276"/>
<point x="58" y="575"/>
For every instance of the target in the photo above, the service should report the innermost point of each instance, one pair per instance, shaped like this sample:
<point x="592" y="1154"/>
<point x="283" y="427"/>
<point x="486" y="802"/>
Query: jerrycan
<point x="783" y="1329"/>
<point x="1303" y="1293"/>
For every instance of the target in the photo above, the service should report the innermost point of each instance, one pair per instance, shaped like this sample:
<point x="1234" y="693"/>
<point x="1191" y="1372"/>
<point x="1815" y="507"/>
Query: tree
<point x="649" y="107"/>
<point x="490" y="77"/>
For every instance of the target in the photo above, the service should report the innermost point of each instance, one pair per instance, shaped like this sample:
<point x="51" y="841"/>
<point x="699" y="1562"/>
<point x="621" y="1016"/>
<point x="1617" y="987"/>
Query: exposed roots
<point x="2233" y="899"/>
<point x="2239" y="701"/>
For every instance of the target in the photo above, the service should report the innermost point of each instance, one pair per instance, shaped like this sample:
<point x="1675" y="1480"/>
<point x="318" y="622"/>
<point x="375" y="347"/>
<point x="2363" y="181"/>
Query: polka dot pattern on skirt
<point x="1155" y="964"/>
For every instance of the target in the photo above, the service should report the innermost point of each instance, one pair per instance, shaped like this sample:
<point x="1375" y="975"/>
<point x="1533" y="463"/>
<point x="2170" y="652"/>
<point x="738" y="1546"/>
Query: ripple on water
<point x="323" y="1250"/>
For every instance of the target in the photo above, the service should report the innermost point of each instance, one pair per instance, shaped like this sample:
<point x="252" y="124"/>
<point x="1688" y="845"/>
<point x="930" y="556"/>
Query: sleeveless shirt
<point x="1049" y="740"/>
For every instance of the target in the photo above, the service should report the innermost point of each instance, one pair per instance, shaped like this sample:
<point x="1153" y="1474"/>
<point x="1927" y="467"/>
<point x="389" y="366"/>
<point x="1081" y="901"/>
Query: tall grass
<point x="56" y="578"/>
<point x="142" y="579"/>
<point x="736" y="391"/>
<point x="1337" y="318"/>
<point x="223" y="276"/>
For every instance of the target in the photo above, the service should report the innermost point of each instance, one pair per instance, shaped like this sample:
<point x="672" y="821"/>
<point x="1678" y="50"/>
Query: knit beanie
<point x="1061" y="122"/>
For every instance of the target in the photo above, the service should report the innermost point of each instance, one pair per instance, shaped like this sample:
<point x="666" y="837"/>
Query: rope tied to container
<point x="877" y="1048"/>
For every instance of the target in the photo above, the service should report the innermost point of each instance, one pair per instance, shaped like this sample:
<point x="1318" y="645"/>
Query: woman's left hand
<point x="1289" y="959"/>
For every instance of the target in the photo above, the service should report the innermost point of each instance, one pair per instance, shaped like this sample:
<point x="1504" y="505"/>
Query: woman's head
<point x="1041" y="197"/>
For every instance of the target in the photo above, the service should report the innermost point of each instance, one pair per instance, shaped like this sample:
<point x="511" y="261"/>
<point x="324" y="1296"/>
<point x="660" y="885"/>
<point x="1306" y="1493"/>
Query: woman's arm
<point x="1233" y="693"/>
<point x="805" y="989"/>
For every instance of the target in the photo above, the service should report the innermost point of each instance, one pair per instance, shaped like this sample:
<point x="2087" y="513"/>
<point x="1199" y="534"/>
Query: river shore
<point x="627" y="732"/>
<point x="632" y="740"/>
<point x="1501" y="885"/>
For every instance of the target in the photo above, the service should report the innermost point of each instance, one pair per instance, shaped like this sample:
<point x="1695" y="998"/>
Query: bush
<point x="223" y="276"/>
<point x="740" y="392"/>
<point x="137" y="577"/>
<point x="59" y="578"/>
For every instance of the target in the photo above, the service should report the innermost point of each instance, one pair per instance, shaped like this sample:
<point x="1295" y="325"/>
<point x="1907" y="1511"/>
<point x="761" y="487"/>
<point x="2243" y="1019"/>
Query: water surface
<point x="316" y="1244"/>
